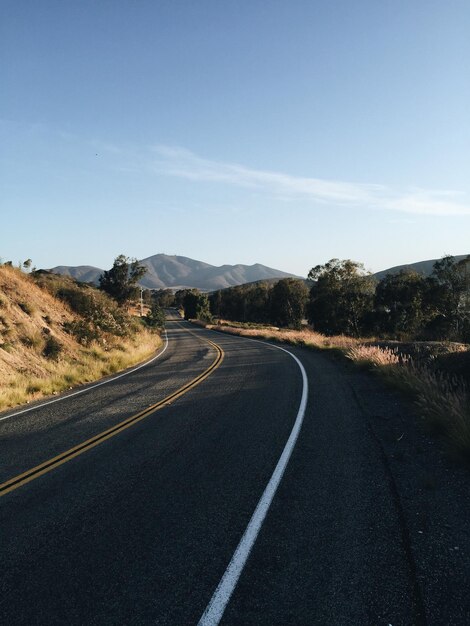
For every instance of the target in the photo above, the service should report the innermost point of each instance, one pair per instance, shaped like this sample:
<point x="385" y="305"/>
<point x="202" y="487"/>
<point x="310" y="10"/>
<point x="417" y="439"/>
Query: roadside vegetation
<point x="56" y="333"/>
<point x="411" y="329"/>
<point x="441" y="398"/>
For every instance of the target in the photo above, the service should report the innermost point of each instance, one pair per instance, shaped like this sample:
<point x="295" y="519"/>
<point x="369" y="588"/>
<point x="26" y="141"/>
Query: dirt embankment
<point x="56" y="334"/>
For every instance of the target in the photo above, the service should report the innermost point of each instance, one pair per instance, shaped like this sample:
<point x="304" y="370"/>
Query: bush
<point x="32" y="340"/>
<point x="155" y="317"/>
<point x="52" y="349"/>
<point x="26" y="308"/>
<point x="97" y="309"/>
<point x="83" y="331"/>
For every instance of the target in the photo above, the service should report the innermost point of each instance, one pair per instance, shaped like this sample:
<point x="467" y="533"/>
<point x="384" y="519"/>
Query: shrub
<point x="155" y="317"/>
<point x="97" y="309"/>
<point x="26" y="308"/>
<point x="32" y="340"/>
<point x="84" y="332"/>
<point x="52" y="349"/>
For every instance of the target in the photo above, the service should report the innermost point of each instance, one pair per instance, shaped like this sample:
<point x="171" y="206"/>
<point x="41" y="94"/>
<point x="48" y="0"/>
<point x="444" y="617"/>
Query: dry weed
<point x="92" y="364"/>
<point x="442" y="401"/>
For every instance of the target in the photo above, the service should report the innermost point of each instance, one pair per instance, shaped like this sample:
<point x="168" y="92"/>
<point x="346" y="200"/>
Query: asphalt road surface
<point x="369" y="525"/>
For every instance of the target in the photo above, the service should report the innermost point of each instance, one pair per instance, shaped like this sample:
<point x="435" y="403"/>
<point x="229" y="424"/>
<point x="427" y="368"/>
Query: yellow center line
<point x="84" y="446"/>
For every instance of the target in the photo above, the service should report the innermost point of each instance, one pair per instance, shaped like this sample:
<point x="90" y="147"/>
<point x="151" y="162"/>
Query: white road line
<point x="216" y="607"/>
<point x="76" y="393"/>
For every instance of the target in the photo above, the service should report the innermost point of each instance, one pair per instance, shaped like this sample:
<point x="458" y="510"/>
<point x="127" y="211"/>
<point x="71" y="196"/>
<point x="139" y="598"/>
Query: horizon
<point x="251" y="264"/>
<point x="284" y="135"/>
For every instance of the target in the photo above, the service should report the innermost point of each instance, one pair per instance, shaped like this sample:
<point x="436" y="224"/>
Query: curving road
<point x="140" y="528"/>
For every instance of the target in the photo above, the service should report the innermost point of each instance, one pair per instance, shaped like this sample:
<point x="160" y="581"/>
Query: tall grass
<point x="293" y="337"/>
<point x="56" y="334"/>
<point x="443" y="401"/>
<point x="92" y="363"/>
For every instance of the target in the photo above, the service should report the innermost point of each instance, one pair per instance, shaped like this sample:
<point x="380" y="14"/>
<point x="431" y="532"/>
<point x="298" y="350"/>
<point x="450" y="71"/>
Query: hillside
<point x="83" y="273"/>
<point x="177" y="272"/>
<point x="55" y="334"/>
<point x="421" y="267"/>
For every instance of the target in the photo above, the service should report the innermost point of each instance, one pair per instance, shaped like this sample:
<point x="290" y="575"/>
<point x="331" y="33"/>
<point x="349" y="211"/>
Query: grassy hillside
<point x="56" y="334"/>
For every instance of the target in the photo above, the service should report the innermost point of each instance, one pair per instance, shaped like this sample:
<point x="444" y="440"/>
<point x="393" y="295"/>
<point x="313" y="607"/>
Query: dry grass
<point x="90" y="364"/>
<point x="38" y="357"/>
<point x="293" y="337"/>
<point x="443" y="401"/>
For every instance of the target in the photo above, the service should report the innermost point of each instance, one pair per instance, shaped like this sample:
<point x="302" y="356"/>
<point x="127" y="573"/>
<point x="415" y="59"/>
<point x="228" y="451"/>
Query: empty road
<point x="138" y="521"/>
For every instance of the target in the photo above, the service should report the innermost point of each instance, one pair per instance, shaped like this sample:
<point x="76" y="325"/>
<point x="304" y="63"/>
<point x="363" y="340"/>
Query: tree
<point x="156" y="316"/>
<point x="196" y="306"/>
<point x="340" y="298"/>
<point x="27" y="264"/>
<point x="203" y="311"/>
<point x="215" y="302"/>
<point x="244" y="303"/>
<point x="120" y="282"/>
<point x="399" y="303"/>
<point x="258" y="302"/>
<point x="164" y="297"/>
<point x="448" y="296"/>
<point x="288" y="300"/>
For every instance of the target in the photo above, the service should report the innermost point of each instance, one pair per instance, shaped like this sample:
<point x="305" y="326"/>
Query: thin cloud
<point x="182" y="163"/>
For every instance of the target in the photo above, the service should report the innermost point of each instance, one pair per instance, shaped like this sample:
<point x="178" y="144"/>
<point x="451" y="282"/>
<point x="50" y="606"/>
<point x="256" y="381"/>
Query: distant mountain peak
<point x="165" y="271"/>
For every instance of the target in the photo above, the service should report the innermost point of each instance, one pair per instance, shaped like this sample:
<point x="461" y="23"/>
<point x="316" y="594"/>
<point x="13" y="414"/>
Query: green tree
<point x="244" y="303"/>
<point x="203" y="311"/>
<point x="448" y="297"/>
<point x="288" y="299"/>
<point x="215" y="302"/>
<point x="258" y="302"/>
<point x="164" y="297"/>
<point x="341" y="297"/>
<point x="196" y="306"/>
<point x="120" y="282"/>
<point x="156" y="316"/>
<point x="180" y="295"/>
<point x="399" y="303"/>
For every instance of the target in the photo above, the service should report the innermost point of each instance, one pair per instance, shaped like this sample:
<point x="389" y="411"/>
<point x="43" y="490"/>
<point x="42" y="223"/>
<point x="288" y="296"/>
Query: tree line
<point x="406" y="305"/>
<point x="339" y="297"/>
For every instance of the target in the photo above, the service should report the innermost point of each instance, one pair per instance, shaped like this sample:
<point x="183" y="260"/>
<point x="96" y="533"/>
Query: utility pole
<point x="141" y="302"/>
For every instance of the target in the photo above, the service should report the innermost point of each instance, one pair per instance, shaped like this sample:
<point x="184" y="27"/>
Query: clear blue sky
<point x="280" y="132"/>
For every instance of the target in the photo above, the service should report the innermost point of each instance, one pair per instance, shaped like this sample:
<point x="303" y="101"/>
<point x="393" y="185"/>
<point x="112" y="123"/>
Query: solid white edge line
<point x="76" y="393"/>
<point x="216" y="607"/>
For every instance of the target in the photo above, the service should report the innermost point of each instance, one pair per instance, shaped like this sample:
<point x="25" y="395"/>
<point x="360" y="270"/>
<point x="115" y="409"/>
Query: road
<point x="369" y="524"/>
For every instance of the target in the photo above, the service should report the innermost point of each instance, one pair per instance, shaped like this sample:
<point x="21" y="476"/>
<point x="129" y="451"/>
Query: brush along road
<point x="367" y="525"/>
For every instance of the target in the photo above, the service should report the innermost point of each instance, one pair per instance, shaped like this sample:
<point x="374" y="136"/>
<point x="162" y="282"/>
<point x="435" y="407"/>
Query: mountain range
<point x="179" y="272"/>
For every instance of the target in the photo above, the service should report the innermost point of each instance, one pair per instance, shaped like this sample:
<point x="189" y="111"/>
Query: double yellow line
<point x="84" y="446"/>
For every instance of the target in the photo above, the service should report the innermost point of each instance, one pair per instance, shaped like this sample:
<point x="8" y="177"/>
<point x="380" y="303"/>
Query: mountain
<point x="421" y="267"/>
<point x="178" y="272"/>
<point x="83" y="273"/>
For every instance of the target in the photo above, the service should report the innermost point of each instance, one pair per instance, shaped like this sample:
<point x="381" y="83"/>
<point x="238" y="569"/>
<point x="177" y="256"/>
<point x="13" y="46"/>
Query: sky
<point x="264" y="131"/>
